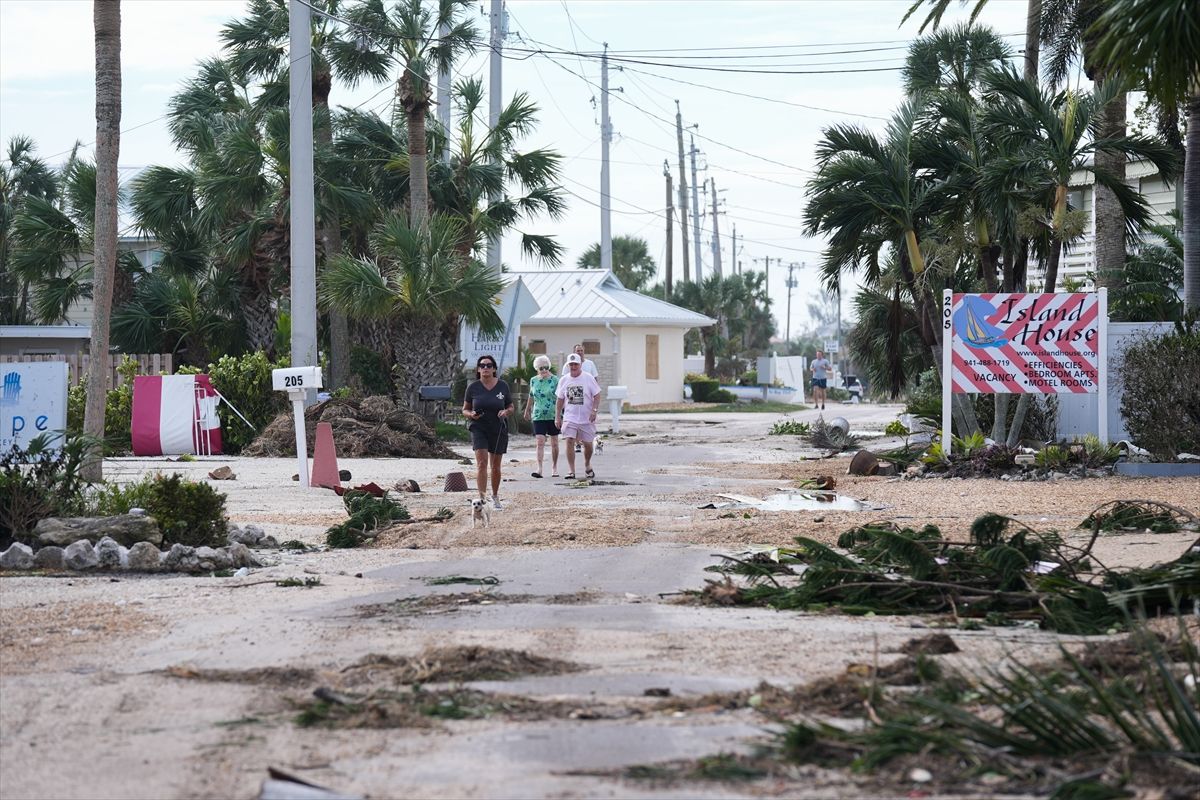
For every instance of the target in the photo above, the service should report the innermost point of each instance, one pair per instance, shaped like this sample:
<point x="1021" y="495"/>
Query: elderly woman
<point x="540" y="410"/>
<point x="488" y="404"/>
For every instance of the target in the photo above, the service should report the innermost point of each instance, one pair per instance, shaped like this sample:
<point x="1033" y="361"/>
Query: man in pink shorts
<point x="575" y="413"/>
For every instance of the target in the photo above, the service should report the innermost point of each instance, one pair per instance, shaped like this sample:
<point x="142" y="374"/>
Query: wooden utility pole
<point x="683" y="205"/>
<point x="716" y="233"/>
<point x="670" y="213"/>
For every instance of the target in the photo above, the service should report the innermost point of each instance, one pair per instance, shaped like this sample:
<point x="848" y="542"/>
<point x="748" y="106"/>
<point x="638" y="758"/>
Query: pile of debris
<point x="371" y="427"/>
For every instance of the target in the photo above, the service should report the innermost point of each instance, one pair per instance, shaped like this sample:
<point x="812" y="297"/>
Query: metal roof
<point x="590" y="296"/>
<point x="46" y="331"/>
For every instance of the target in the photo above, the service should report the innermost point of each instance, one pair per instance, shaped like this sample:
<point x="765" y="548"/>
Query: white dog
<point x="599" y="446"/>
<point x="481" y="513"/>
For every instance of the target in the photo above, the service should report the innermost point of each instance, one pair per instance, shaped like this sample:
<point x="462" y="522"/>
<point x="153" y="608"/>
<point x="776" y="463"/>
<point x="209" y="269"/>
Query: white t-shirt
<point x="579" y="395"/>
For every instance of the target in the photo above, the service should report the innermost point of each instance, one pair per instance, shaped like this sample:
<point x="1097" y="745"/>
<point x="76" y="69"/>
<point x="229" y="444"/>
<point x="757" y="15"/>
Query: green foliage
<point x="245" y="381"/>
<point x="968" y="445"/>
<point x="703" y="388"/>
<point x="187" y="512"/>
<point x="826" y="437"/>
<point x="450" y="432"/>
<point x="307" y="582"/>
<point x="369" y="370"/>
<point x="367" y="513"/>
<point x="1052" y="457"/>
<point x="41" y="482"/>
<point x="1160" y="399"/>
<point x="1095" y="454"/>
<point x="631" y="261"/>
<point x="790" y="427"/>
<point x="722" y="396"/>
<point x="118" y="409"/>
<point x="897" y="428"/>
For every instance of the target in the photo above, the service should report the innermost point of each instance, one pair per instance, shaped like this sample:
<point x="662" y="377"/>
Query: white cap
<point x="574" y="359"/>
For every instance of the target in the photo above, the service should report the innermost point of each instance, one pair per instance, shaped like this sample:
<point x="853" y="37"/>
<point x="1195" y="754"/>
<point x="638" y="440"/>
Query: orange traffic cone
<point x="325" y="466"/>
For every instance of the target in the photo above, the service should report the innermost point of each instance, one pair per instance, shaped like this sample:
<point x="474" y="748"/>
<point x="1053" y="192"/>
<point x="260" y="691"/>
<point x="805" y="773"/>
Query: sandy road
<point x="87" y="710"/>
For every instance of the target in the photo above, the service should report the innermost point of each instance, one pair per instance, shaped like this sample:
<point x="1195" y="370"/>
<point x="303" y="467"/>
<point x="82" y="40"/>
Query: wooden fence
<point x="77" y="365"/>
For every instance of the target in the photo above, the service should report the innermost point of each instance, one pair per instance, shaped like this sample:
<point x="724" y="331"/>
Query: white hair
<point x="541" y="361"/>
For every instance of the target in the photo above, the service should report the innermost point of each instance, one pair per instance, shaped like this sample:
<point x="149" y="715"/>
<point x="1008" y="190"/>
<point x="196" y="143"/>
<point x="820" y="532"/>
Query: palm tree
<point x="22" y="176"/>
<point x="632" y="262"/>
<point x="423" y="285"/>
<point x="421" y="43"/>
<point x="1055" y="136"/>
<point x="106" y="17"/>
<point x="257" y="47"/>
<point x="731" y="301"/>
<point x="1158" y="41"/>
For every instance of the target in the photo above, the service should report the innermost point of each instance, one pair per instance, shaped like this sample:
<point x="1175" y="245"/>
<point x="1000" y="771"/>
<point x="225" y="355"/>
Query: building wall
<point x="20" y="346"/>
<point x="561" y="340"/>
<point x="668" y="388"/>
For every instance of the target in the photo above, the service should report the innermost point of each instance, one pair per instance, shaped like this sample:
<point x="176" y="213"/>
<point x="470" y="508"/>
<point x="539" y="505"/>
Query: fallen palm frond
<point x="1059" y="725"/>
<point x="1007" y="572"/>
<point x="1151" y="515"/>
<point x="824" y="436"/>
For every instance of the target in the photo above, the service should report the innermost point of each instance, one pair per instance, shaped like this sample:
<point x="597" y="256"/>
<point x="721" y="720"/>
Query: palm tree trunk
<point x="424" y="358"/>
<point x="1191" y="208"/>
<point x="1052" y="263"/>
<point x="1110" y="220"/>
<point x="106" y="18"/>
<point x="259" y="317"/>
<point x="331" y="238"/>
<point x="415" y="110"/>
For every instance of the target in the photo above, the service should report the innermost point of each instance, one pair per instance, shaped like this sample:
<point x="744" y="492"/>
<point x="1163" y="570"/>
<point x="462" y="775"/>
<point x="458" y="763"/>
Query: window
<point x="591" y="347"/>
<point x="537" y="347"/>
<point x="652" y="357"/>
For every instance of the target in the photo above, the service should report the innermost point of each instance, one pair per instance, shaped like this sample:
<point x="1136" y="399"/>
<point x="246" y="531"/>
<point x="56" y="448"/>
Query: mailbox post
<point x="296" y="381"/>
<point x="616" y="395"/>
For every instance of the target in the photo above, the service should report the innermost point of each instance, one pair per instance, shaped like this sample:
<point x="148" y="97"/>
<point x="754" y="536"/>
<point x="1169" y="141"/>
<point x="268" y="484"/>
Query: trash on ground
<point x="223" y="474"/>
<point x="282" y="786"/>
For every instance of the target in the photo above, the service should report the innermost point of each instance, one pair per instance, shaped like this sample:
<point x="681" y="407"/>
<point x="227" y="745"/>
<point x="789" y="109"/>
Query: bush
<point x="703" y="388"/>
<point x="118" y="409"/>
<point x="186" y="512"/>
<point x="245" y="381"/>
<point x="790" y="427"/>
<point x="721" y="396"/>
<point x="370" y="370"/>
<point x="40" y="482"/>
<point x="1160" y="398"/>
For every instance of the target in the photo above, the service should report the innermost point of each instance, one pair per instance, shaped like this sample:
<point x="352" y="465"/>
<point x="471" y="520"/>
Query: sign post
<point x="1025" y="344"/>
<point x="297" y="381"/>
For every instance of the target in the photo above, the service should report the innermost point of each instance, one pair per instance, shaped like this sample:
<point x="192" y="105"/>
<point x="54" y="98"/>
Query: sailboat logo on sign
<point x="972" y="326"/>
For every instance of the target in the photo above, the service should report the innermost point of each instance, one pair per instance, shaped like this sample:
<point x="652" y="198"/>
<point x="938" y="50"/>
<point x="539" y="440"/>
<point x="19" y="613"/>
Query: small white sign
<point x="296" y="379"/>
<point x="33" y="402"/>
<point x="833" y="346"/>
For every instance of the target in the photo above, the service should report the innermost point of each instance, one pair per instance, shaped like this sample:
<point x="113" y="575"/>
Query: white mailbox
<point x="296" y="379"/>
<point x="616" y="394"/>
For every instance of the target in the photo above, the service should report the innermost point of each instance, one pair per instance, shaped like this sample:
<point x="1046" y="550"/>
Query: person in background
<point x="488" y="404"/>
<point x="540" y="410"/>
<point x="820" y="378"/>
<point x="576" y="413"/>
<point x="586" y="363"/>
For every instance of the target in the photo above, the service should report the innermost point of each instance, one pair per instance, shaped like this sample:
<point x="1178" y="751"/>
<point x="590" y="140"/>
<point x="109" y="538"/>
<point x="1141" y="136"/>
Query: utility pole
<point x="841" y="359"/>
<point x="443" y="99"/>
<point x="605" y="139"/>
<point x="683" y="207"/>
<point x="716" y="243"/>
<point x="670" y="213"/>
<point x="494" y="100"/>
<point x="303" y="245"/>
<point x="791" y="284"/>
<point x="734" y="265"/>
<point x="695" y="213"/>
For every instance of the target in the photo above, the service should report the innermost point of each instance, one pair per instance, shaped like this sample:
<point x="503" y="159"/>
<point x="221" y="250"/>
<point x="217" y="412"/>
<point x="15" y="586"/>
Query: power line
<point x="777" y="46"/>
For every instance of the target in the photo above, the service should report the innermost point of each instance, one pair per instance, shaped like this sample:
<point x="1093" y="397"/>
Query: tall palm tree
<point x="106" y="18"/>
<point x="22" y="176"/>
<point x="420" y="281"/>
<point x="731" y="301"/>
<point x="1158" y="41"/>
<point x="632" y="262"/>
<point x="1057" y="135"/>
<point x="421" y="42"/>
<point x="257" y="47"/>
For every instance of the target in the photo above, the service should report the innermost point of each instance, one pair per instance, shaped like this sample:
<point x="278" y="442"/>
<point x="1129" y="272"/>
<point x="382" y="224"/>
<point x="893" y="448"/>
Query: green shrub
<point x="722" y="396"/>
<point x="371" y="371"/>
<point x="1052" y="457"/>
<point x="790" y="427"/>
<point x="40" y="482"/>
<point x="245" y="381"/>
<point x="450" y="432"/>
<point x="186" y="512"/>
<point x="118" y="409"/>
<point x="1160" y="400"/>
<point x="367" y="513"/>
<point x="703" y="389"/>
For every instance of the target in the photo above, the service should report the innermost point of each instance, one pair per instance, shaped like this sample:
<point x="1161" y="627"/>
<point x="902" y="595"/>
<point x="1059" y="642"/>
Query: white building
<point x="635" y="340"/>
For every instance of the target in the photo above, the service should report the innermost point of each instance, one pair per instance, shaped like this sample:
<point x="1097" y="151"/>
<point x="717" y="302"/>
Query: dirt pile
<point x="367" y="428"/>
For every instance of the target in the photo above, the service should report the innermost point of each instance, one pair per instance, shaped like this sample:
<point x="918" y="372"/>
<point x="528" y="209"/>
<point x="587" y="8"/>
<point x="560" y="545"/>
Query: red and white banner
<point x="175" y="414"/>
<point x="1024" y="343"/>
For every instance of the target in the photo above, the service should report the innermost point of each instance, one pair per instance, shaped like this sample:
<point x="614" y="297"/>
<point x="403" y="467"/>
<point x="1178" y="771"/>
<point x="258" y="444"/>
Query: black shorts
<point x="819" y="383"/>
<point x="545" y="427"/>
<point x="493" y="438"/>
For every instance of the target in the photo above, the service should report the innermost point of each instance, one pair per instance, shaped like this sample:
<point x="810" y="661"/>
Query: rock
<point x="17" y="556"/>
<point x="207" y="558"/>
<point x="344" y="475"/>
<point x="125" y="529"/>
<point x="181" y="558"/>
<point x="50" y="557"/>
<point x="222" y="474"/>
<point x="80" y="555"/>
<point x="268" y="543"/>
<point x="241" y="573"/>
<point x="240" y="556"/>
<point x="109" y="554"/>
<point x="408" y="485"/>
<point x="249" y="535"/>
<point x="144" y="557"/>
<point x="918" y="775"/>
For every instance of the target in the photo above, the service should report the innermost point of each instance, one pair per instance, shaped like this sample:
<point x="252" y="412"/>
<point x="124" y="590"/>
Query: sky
<point x="756" y="133"/>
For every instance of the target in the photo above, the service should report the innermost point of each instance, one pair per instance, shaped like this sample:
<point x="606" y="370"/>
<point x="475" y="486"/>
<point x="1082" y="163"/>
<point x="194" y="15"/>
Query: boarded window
<point x="537" y="347"/>
<point x="591" y="347"/>
<point x="652" y="357"/>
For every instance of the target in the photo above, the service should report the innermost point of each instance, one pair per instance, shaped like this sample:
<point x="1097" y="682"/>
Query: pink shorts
<point x="583" y="431"/>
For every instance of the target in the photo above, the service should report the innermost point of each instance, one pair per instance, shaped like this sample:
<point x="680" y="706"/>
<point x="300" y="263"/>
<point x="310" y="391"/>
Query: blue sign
<point x="33" y="401"/>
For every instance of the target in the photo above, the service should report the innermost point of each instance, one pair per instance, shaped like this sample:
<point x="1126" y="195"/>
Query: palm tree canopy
<point x="1158" y="40"/>
<point x="632" y="263"/>
<point x="954" y="59"/>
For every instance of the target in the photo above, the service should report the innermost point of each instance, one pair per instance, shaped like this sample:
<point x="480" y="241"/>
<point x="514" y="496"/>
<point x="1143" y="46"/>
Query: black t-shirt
<point x="490" y="401"/>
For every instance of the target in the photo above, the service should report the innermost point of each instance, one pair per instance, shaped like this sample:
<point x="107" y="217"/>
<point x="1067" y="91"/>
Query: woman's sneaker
<point x="496" y="503"/>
